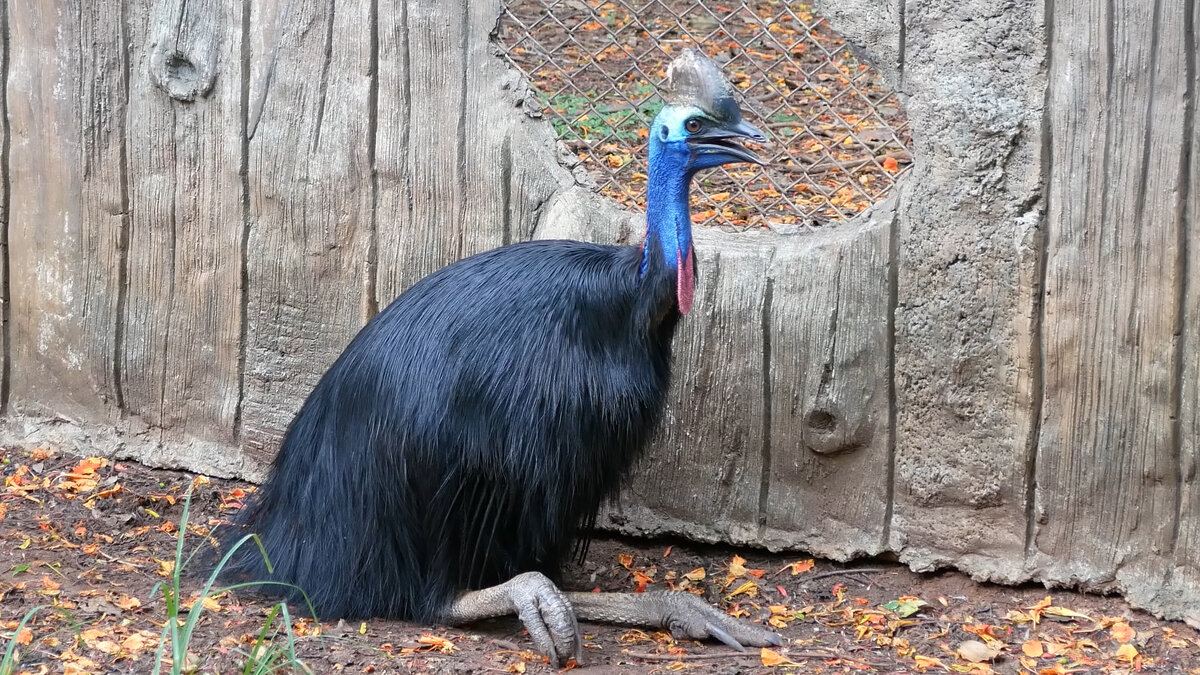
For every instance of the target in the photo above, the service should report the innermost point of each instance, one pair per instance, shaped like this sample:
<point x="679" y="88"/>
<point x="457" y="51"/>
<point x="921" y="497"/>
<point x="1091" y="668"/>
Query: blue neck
<point x="668" y="218"/>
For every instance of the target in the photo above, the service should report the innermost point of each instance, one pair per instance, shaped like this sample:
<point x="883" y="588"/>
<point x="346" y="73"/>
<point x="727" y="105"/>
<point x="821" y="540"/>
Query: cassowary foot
<point x="541" y="606"/>
<point x="684" y="614"/>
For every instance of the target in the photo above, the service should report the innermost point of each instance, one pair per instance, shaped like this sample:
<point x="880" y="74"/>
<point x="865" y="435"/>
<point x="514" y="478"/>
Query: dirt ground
<point x="90" y="539"/>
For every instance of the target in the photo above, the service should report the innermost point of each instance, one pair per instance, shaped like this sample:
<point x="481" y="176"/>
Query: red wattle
<point x="685" y="281"/>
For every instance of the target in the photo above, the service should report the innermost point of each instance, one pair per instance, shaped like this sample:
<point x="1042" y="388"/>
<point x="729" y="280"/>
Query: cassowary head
<point x="694" y="131"/>
<point x="697" y="127"/>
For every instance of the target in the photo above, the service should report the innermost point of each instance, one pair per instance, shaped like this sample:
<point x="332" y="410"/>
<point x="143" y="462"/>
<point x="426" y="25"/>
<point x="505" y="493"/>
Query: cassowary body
<point x="451" y="458"/>
<point x="469" y="431"/>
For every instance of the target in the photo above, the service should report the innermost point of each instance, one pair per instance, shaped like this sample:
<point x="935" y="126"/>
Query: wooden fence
<point x="997" y="369"/>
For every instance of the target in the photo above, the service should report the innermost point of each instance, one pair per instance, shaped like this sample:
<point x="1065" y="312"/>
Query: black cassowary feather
<point x="469" y="432"/>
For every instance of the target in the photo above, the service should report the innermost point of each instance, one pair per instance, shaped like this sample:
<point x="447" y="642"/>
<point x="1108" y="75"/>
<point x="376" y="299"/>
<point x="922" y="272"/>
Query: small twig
<point x="118" y="560"/>
<point x="834" y="573"/>
<point x="726" y="655"/>
<point x="687" y="657"/>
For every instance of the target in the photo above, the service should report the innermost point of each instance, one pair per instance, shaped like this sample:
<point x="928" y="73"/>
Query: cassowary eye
<point x="692" y="125"/>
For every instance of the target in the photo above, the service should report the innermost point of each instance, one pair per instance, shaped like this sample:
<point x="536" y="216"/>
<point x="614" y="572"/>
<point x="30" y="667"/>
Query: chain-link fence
<point x="838" y="136"/>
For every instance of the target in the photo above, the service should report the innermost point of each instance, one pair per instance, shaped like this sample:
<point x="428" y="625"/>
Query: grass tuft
<point x="265" y="656"/>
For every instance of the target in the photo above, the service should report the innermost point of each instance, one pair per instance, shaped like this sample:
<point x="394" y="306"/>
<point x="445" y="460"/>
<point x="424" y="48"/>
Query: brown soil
<point x="92" y="538"/>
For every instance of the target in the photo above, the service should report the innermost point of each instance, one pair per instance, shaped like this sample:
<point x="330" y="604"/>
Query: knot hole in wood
<point x="827" y="433"/>
<point x="182" y="76"/>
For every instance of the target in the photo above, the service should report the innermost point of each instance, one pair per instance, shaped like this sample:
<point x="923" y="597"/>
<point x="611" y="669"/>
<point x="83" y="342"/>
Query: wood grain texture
<point x="1180" y="594"/>
<point x="67" y="211"/>
<point x="309" y="203"/>
<point x="1107" y="468"/>
<point x="180" y="358"/>
<point x="828" y="389"/>
<point x="422" y="216"/>
<point x="701" y="474"/>
<point x="448" y="185"/>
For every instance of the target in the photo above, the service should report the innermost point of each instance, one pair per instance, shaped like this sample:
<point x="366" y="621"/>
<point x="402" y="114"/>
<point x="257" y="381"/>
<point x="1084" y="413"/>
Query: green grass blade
<point x="9" y="664"/>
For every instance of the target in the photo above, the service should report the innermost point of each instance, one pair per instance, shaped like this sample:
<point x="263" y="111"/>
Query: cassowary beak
<point x="719" y="140"/>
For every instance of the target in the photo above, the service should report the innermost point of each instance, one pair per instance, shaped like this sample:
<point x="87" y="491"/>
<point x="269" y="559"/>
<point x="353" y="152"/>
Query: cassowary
<point x="452" y="457"/>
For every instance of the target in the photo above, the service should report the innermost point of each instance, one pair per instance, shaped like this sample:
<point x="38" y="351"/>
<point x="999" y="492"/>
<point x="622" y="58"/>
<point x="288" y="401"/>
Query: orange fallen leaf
<point x="924" y="663"/>
<point x="207" y="602"/>
<point x="24" y="636"/>
<point x="139" y="641"/>
<point x="104" y="494"/>
<point x="696" y="574"/>
<point x="1122" y="632"/>
<point x="890" y="165"/>
<point x="165" y="567"/>
<point x="771" y="657"/>
<point x="641" y="579"/>
<point x="128" y="602"/>
<point x="88" y="465"/>
<point x="1032" y="649"/>
<point x="1127" y="653"/>
<point x="50" y="584"/>
<point x="798" y="566"/>
<point x="439" y="644"/>
<point x="625" y="559"/>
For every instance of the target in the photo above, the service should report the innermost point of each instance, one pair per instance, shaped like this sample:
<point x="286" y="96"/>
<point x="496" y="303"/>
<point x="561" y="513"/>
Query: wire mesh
<point x="838" y="137"/>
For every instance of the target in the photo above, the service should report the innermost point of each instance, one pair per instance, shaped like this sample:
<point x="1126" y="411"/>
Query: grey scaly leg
<point x="550" y="615"/>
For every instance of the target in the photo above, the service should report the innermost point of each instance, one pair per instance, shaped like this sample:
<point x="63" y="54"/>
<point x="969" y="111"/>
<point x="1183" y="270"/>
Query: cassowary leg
<point x="541" y="606"/>
<point x="684" y="614"/>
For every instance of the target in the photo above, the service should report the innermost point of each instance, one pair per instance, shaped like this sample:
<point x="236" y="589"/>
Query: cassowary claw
<point x="539" y="604"/>
<point x="689" y="616"/>
<point x="548" y="616"/>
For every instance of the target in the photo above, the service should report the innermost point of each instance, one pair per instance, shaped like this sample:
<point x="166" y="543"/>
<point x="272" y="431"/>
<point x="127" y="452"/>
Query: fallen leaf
<point x="798" y="566"/>
<point x="1127" y="653"/>
<point x="625" y="559"/>
<point x="1032" y="649"/>
<point x="771" y="657"/>
<point x="976" y="651"/>
<point x="1064" y="613"/>
<point x="207" y="602"/>
<point x="924" y="663"/>
<point x="439" y="644"/>
<point x="1122" y="632"/>
<point x="128" y="602"/>
<point x="640" y="580"/>
<point x="748" y="588"/>
<point x="139" y="641"/>
<point x="103" y="494"/>
<point x="696" y="574"/>
<point x="905" y="606"/>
